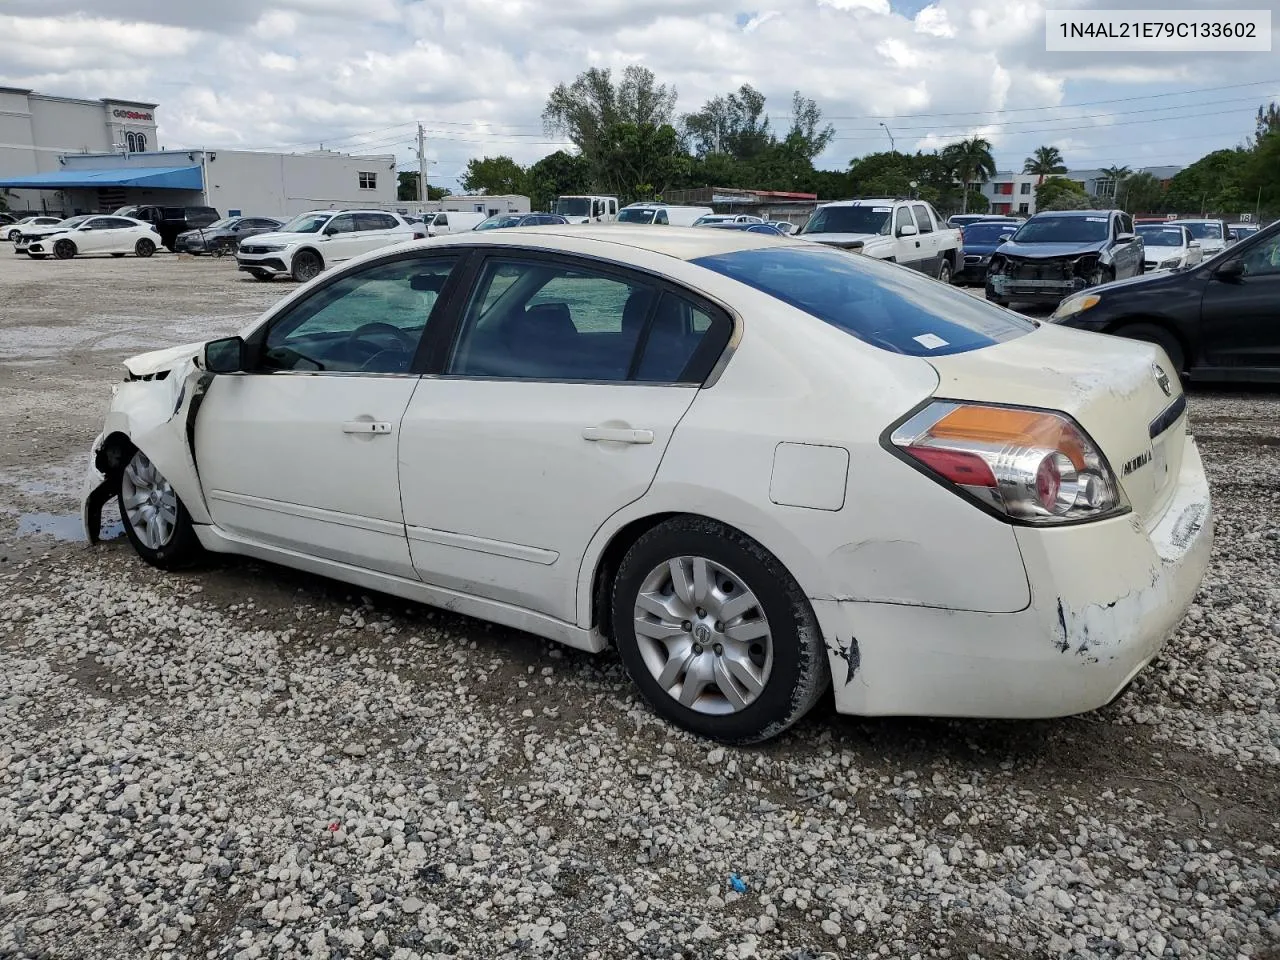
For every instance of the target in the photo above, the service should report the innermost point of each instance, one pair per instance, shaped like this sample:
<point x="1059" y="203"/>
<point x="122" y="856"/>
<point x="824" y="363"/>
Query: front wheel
<point x="144" y="247"/>
<point x="306" y="266"/>
<point x="716" y="633"/>
<point x="64" y="250"/>
<point x="155" y="519"/>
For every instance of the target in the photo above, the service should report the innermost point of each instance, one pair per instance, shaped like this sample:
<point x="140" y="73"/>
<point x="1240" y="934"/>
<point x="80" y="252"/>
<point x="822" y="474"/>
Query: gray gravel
<point x="247" y="762"/>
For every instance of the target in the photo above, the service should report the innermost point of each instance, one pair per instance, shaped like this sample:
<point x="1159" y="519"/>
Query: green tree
<point x="807" y="137"/>
<point x="1045" y="162"/>
<point x="972" y="162"/>
<point x="1059" y="193"/>
<point x="735" y="125"/>
<point x="407" y="187"/>
<point x="640" y="160"/>
<point x="1212" y="184"/>
<point x="588" y="111"/>
<point x="1143" y="193"/>
<point x="555" y="175"/>
<point x="495" y="175"/>
<point x="887" y="174"/>
<point x="1268" y="120"/>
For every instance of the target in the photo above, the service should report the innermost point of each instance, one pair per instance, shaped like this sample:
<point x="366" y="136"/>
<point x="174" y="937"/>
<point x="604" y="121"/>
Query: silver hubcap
<point x="703" y="635"/>
<point x="149" y="502"/>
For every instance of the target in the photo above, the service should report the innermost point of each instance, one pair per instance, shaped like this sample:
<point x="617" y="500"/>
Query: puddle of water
<point x="63" y="526"/>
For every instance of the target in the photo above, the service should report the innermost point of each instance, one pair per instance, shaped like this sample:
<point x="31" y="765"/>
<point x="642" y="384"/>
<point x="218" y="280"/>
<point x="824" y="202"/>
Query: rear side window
<point x="922" y="218"/>
<point x="880" y="304"/>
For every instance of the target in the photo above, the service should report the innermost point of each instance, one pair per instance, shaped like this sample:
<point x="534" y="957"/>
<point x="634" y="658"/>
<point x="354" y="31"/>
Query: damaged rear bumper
<point x="1105" y="596"/>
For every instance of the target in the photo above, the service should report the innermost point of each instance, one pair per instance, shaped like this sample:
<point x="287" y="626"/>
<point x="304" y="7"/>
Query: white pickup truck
<point x="908" y="232"/>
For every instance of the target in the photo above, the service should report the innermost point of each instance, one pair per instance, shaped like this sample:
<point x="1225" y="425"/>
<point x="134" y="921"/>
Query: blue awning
<point x="162" y="178"/>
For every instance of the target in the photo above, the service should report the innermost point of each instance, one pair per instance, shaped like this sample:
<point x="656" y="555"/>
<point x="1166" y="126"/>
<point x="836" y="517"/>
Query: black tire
<point x="262" y="276"/>
<point x="1162" y="338"/>
<point x="998" y="301"/>
<point x="144" y="247"/>
<point x="944" y="271"/>
<point x="64" y="250"/>
<point x="181" y="550"/>
<point x="307" y="265"/>
<point x="798" y="676"/>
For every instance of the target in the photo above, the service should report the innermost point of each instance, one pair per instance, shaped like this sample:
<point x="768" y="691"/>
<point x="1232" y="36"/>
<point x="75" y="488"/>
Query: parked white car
<point x="1214" y="236"/>
<point x="12" y="231"/>
<point x="909" y="232"/>
<point x="452" y="221"/>
<point x="78" y="236"/>
<point x="1168" y="247"/>
<point x="758" y="467"/>
<point x="312" y="242"/>
<point x="727" y="218"/>
<point x="662" y="214"/>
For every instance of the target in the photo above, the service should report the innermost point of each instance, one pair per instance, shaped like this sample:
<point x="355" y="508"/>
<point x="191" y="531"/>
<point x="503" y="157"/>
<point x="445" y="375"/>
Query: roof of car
<point x="865" y="202"/>
<point x="682" y="243"/>
<point x="1075" y="213"/>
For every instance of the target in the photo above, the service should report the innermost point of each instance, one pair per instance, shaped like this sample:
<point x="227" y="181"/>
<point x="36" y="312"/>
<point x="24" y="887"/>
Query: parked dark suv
<point x="1216" y="320"/>
<point x="171" y="221"/>
<point x="1061" y="252"/>
<point x="225" y="235"/>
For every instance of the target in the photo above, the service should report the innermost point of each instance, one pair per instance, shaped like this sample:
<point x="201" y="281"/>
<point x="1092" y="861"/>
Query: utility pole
<point x="422" y="168"/>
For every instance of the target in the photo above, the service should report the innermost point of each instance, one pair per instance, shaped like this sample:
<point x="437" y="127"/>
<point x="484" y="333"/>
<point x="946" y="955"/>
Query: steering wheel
<point x="404" y="344"/>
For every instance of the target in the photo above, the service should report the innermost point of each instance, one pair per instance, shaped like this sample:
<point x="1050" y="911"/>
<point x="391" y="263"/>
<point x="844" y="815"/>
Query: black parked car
<point x="981" y="239"/>
<point x="1217" y="320"/>
<point x="170" y="221"/>
<point x="223" y="236"/>
<point x="1056" y="254"/>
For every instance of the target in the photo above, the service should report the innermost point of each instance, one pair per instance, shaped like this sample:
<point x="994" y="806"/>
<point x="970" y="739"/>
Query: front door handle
<point x="376" y="427"/>
<point x="617" y="435"/>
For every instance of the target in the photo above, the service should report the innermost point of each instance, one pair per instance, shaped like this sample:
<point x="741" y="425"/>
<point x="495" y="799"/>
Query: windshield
<point x="637" y="216"/>
<point x="306" y="223"/>
<point x="849" y="220"/>
<point x="74" y="221"/>
<point x="573" y="206"/>
<point x="1205" y="231"/>
<point x="501" y="220"/>
<point x="982" y="232"/>
<point x="1161" y="236"/>
<point x="893" y="309"/>
<point x="1062" y="230"/>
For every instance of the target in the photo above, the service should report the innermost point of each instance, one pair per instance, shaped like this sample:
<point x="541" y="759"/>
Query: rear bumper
<point x="1104" y="598"/>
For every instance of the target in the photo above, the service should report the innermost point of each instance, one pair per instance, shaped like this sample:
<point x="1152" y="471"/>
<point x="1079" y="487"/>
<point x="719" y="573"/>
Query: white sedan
<point x="758" y="467"/>
<point x="91" y="234"/>
<point x="14" y="230"/>
<point x="1168" y="247"/>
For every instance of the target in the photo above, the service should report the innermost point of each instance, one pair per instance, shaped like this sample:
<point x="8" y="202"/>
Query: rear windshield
<point x="849" y="220"/>
<point x="1161" y="236"/>
<point x="882" y="304"/>
<point x="1205" y="231"/>
<point x="988" y="232"/>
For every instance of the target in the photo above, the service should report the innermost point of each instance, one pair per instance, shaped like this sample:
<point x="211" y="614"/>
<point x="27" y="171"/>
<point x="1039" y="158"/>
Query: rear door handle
<point x="366" y="426"/>
<point x="617" y="435"/>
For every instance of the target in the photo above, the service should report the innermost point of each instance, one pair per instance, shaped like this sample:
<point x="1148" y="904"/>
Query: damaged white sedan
<point x="758" y="467"/>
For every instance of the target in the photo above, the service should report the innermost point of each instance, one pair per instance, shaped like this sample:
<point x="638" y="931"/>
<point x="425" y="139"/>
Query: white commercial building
<point x="1012" y="193"/>
<point x="88" y="156"/>
<point x="489" y="204"/>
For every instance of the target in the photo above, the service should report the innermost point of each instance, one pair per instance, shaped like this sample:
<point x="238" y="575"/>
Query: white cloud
<point x="293" y="73"/>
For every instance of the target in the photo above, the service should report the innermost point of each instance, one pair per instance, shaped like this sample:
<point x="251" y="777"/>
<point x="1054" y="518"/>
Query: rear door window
<point x="922" y="218"/>
<point x="878" y="303"/>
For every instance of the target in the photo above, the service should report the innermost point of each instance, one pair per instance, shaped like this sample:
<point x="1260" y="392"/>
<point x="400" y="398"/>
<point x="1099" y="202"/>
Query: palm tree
<point x="1044" y="162"/>
<point x="1116" y="176"/>
<point x="972" y="162"/>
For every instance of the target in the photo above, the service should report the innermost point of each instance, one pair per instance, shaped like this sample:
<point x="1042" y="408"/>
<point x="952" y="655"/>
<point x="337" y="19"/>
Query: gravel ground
<point x="247" y="762"/>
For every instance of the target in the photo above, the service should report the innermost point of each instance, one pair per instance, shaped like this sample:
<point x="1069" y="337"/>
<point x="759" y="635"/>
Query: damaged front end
<point x="1048" y="278"/>
<point x="151" y="410"/>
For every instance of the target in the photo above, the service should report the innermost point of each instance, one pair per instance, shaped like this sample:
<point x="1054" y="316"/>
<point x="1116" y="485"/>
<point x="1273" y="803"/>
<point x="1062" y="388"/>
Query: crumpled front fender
<point x="154" y="416"/>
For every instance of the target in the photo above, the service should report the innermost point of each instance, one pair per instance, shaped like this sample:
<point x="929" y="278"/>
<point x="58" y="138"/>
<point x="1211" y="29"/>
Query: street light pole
<point x="892" y="147"/>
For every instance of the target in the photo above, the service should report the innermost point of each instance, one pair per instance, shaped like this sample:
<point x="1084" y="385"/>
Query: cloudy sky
<point x="294" y="73"/>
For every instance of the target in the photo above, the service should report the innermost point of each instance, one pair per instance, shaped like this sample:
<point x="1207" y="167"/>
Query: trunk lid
<point x="1114" y="388"/>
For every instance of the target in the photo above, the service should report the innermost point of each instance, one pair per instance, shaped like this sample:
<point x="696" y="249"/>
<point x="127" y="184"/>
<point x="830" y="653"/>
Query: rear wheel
<point x="64" y="250"/>
<point x="944" y="271"/>
<point x="1162" y="338"/>
<point x="155" y="520"/>
<point x="144" y="247"/>
<point x="307" y="266"/>
<point x="716" y="633"/>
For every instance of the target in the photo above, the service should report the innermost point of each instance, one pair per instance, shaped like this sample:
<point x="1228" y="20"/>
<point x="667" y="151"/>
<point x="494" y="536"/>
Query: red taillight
<point x="966" y="469"/>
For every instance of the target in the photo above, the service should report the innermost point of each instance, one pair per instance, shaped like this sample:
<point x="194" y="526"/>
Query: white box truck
<point x="587" y="208"/>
